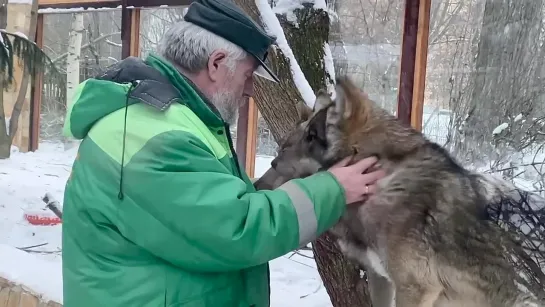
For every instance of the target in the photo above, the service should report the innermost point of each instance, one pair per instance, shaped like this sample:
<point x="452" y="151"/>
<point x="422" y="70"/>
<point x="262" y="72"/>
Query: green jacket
<point x="172" y="221"/>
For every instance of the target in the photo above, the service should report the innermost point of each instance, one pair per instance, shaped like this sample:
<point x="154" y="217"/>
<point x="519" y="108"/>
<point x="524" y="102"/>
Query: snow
<point x="20" y="34"/>
<point x="48" y="282"/>
<point x="499" y="129"/>
<point x="329" y="69"/>
<point x="518" y="117"/>
<point x="20" y="1"/>
<point x="272" y="26"/>
<point x="26" y="177"/>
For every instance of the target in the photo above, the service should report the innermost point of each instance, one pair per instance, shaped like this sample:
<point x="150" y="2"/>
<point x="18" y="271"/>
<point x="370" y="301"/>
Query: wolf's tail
<point x="522" y="215"/>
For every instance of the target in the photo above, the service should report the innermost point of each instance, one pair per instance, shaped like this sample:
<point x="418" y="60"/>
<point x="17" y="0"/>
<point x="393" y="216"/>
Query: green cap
<point x="224" y="18"/>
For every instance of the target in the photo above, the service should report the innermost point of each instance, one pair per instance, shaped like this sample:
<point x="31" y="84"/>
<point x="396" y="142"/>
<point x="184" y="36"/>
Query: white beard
<point x="227" y="106"/>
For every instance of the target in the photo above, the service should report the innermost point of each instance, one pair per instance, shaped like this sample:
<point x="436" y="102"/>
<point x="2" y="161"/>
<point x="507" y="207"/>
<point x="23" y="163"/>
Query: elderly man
<point x="157" y="211"/>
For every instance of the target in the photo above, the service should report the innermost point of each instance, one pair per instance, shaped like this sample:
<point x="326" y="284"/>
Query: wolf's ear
<point x="349" y="100"/>
<point x="303" y="111"/>
<point x="323" y="100"/>
<point x="316" y="129"/>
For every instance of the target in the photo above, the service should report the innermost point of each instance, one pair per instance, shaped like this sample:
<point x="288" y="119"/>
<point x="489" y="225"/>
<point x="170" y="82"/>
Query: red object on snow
<point x="40" y="220"/>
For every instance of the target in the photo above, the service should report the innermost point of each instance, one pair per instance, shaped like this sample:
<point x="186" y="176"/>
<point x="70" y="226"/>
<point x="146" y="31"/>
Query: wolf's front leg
<point x="381" y="289"/>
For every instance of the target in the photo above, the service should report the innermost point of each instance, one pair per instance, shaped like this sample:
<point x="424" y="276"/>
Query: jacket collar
<point x="190" y="94"/>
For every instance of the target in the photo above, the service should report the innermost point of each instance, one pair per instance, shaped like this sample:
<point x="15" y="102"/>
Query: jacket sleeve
<point x="184" y="206"/>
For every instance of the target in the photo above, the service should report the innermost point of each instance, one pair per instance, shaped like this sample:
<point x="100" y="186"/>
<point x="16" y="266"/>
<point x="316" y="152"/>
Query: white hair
<point x="190" y="46"/>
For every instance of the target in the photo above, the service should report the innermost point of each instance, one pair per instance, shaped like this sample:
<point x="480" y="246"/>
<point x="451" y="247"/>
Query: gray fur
<point x="424" y="236"/>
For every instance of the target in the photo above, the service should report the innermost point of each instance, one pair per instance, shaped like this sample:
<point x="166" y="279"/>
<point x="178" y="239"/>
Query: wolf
<point x="424" y="237"/>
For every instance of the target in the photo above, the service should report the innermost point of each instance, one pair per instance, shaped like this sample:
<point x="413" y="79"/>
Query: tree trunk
<point x="307" y="36"/>
<point x="23" y="89"/>
<point x="5" y="145"/>
<point x="507" y="78"/>
<point x="72" y="62"/>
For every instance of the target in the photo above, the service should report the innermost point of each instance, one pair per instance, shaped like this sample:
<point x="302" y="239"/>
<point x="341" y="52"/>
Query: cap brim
<point x="265" y="72"/>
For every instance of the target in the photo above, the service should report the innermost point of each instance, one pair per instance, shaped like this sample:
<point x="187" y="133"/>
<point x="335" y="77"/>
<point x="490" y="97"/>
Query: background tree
<point x="33" y="60"/>
<point x="306" y="31"/>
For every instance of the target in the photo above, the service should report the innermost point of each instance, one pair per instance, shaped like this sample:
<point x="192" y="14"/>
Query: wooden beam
<point x="36" y="95"/>
<point x="135" y="32"/>
<point x="421" y="61"/>
<point x="408" y="60"/>
<point x="242" y="135"/>
<point x="251" y="140"/>
<point x="126" y="30"/>
<point x="67" y="4"/>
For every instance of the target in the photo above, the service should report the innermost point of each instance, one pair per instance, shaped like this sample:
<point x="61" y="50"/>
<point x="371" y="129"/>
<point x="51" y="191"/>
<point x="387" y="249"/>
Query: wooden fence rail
<point x="14" y="295"/>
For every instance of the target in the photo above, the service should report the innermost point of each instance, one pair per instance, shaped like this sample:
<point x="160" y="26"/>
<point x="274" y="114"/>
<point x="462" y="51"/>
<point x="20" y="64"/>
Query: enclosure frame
<point x="412" y="73"/>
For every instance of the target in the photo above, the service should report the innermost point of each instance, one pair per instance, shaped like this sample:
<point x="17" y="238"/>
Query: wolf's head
<point x="334" y="129"/>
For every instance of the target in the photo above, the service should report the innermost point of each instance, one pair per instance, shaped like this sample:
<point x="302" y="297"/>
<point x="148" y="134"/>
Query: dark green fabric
<point x="226" y="19"/>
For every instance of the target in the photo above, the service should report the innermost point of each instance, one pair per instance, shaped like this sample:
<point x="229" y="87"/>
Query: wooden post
<point x="36" y="95"/>
<point x="408" y="61"/>
<point x="135" y="32"/>
<point x="421" y="61"/>
<point x="126" y="23"/>
<point x="251" y="139"/>
<point x="242" y="135"/>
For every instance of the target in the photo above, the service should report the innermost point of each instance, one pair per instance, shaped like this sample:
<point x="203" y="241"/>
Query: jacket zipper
<point x="235" y="157"/>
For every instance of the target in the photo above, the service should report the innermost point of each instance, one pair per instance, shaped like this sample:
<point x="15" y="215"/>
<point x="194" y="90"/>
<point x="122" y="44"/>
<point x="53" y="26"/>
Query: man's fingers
<point x="342" y="163"/>
<point x="371" y="178"/>
<point x="362" y="165"/>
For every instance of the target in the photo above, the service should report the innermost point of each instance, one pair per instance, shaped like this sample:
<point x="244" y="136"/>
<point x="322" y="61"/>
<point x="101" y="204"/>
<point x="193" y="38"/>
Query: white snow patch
<point x="288" y="6"/>
<point x="40" y="276"/>
<point x="26" y="177"/>
<point x="499" y="129"/>
<point x="518" y="117"/>
<point x="20" y="1"/>
<point x="272" y="26"/>
<point x="330" y="70"/>
<point x="21" y="34"/>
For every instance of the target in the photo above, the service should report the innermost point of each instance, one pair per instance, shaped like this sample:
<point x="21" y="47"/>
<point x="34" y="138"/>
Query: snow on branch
<point x="272" y="26"/>
<point x="329" y="69"/>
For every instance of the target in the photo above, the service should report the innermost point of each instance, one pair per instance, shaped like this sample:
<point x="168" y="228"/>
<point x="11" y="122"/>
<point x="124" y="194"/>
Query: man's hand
<point x="356" y="183"/>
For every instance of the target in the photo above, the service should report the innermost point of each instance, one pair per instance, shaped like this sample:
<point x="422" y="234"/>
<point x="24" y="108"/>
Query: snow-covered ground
<point x="26" y="177"/>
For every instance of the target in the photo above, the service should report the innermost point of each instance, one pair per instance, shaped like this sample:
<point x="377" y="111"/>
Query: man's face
<point x="232" y="87"/>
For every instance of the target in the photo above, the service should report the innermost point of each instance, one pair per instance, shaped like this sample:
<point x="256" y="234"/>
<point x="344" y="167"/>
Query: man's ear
<point x="216" y="59"/>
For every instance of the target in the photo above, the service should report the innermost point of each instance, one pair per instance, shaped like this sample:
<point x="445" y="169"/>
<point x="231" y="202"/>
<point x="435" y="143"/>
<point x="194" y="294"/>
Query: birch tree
<point x="73" y="61"/>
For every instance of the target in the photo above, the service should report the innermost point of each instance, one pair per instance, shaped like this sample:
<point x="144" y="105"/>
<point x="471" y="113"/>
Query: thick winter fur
<point x="424" y="237"/>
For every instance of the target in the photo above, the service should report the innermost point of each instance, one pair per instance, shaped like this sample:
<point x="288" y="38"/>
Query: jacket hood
<point x="153" y="82"/>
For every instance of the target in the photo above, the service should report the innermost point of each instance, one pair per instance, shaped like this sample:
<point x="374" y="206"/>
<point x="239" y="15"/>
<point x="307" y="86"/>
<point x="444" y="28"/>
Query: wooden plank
<point x="14" y="297"/>
<point x="242" y="135"/>
<point x="251" y="139"/>
<point x="28" y="300"/>
<point x="4" y="296"/>
<point x="64" y="2"/>
<point x="408" y="57"/>
<point x="126" y="25"/>
<point x="36" y="95"/>
<point x="135" y="32"/>
<point x="68" y="4"/>
<point x="421" y="60"/>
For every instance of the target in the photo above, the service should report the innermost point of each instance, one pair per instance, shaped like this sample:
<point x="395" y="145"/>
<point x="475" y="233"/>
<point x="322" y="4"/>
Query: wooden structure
<point x="13" y="295"/>
<point x="411" y="81"/>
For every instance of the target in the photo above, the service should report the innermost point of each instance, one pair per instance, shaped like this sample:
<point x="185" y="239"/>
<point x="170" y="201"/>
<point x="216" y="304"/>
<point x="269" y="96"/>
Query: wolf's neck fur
<point x="382" y="134"/>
